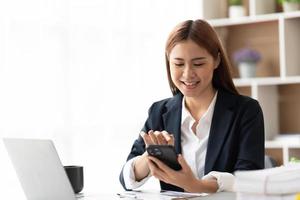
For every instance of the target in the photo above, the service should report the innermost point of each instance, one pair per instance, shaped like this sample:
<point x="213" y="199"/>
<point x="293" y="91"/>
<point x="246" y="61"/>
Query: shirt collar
<point x="186" y="115"/>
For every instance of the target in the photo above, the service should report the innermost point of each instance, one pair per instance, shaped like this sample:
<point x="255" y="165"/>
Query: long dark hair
<point x="200" y="32"/>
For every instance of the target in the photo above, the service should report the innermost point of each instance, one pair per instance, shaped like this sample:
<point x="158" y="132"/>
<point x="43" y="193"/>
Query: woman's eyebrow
<point x="199" y="58"/>
<point x="178" y="58"/>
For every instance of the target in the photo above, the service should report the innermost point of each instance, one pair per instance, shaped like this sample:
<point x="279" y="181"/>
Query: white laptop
<point x="39" y="169"/>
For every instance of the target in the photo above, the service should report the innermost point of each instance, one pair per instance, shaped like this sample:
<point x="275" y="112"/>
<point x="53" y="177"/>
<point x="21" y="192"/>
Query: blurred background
<point x="83" y="73"/>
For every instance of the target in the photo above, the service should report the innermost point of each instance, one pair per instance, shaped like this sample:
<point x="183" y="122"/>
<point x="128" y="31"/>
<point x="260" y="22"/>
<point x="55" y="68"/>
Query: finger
<point x="153" y="137"/>
<point x="168" y="137"/>
<point x="182" y="162"/>
<point x="155" y="171"/>
<point x="146" y="138"/>
<point x="153" y="167"/>
<point x="160" y="164"/>
<point x="160" y="138"/>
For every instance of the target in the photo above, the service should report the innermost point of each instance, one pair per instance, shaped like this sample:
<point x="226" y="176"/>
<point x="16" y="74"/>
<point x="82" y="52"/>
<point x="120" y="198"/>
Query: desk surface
<point x="146" y="195"/>
<point x="221" y="196"/>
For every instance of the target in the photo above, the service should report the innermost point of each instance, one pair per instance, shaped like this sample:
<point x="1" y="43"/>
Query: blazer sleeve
<point x="251" y="138"/>
<point x="154" y="122"/>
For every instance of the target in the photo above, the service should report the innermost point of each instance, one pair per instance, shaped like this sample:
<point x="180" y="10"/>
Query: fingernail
<point x="142" y="133"/>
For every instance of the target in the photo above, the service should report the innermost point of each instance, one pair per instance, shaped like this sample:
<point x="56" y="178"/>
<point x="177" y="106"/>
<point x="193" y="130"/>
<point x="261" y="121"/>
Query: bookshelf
<point x="276" y="35"/>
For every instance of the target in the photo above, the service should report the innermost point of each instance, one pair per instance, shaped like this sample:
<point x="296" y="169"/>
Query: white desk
<point x="147" y="195"/>
<point x="220" y="196"/>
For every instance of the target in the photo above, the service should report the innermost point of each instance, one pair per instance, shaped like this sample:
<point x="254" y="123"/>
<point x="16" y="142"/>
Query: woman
<point x="214" y="130"/>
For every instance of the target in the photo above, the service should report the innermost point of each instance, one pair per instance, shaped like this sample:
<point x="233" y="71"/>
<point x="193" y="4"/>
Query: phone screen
<point x="165" y="153"/>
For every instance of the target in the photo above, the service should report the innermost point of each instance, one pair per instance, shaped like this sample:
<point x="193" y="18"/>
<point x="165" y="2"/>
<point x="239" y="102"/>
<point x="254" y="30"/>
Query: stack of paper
<point x="163" y="195"/>
<point x="249" y="196"/>
<point x="277" y="180"/>
<point x="273" y="183"/>
<point x="182" y="195"/>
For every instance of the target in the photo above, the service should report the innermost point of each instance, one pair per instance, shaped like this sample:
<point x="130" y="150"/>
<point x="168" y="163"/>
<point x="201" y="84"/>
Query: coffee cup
<point x="75" y="175"/>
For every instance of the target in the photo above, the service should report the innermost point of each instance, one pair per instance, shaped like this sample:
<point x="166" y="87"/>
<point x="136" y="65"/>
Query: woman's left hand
<point x="183" y="178"/>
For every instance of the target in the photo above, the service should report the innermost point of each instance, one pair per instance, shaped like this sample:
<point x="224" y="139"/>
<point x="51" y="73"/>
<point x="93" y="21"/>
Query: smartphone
<point x="165" y="153"/>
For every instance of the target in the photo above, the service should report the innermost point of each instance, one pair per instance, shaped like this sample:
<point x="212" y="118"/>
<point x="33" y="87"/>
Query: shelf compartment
<point x="262" y="36"/>
<point x="294" y="152"/>
<point x="276" y="154"/>
<point x="219" y="9"/>
<point x="289" y="108"/>
<point x="214" y="9"/>
<point x="244" y="90"/>
<point x="259" y="7"/>
<point x="281" y="108"/>
<point x="267" y="95"/>
<point x="292" y="46"/>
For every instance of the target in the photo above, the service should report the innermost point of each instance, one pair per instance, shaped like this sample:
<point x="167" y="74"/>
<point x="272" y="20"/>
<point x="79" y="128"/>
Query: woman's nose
<point x="188" y="72"/>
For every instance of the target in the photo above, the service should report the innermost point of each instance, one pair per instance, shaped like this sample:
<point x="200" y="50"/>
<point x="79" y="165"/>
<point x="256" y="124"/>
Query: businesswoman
<point x="214" y="130"/>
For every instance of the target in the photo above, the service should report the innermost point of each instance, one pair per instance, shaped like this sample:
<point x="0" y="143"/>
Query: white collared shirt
<point x="194" y="145"/>
<point x="194" y="148"/>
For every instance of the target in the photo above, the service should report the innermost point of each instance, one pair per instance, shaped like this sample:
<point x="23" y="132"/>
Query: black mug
<point x="75" y="175"/>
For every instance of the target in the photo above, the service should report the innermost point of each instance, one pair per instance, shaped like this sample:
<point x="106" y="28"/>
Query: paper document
<point x="178" y="195"/>
<point x="164" y="195"/>
<point x="278" y="180"/>
<point x="249" y="196"/>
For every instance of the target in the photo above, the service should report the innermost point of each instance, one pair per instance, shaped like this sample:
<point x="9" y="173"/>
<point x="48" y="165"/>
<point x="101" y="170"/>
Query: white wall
<point x="83" y="73"/>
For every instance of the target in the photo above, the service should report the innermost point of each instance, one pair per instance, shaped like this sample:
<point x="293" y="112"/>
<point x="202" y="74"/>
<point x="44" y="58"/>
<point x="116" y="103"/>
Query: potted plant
<point x="247" y="60"/>
<point x="289" y="5"/>
<point x="236" y="8"/>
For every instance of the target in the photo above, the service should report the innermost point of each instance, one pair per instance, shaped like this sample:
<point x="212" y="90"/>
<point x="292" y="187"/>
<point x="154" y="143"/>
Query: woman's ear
<point x="217" y="61"/>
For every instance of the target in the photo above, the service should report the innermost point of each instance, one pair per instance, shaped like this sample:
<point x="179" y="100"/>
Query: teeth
<point x="190" y="84"/>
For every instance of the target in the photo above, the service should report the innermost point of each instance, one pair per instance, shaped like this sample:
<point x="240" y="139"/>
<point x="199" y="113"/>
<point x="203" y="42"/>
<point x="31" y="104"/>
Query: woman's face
<point x="192" y="68"/>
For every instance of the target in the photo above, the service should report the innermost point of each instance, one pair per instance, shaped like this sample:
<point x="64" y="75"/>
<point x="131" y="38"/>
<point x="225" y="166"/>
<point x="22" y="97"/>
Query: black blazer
<point x="236" y="138"/>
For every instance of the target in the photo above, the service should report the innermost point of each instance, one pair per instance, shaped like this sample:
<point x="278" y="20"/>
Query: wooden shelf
<point x="253" y="19"/>
<point x="266" y="81"/>
<point x="282" y="152"/>
<point x="277" y="154"/>
<point x="292" y="46"/>
<point x="276" y="36"/>
<point x="279" y="99"/>
<point x="289" y="108"/>
<point x="261" y="36"/>
<point x="245" y="90"/>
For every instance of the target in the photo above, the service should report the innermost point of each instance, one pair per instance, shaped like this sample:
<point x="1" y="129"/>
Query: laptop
<point x="39" y="169"/>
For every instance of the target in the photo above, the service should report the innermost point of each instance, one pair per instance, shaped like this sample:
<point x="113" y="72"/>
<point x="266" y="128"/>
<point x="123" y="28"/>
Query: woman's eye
<point x="178" y="64"/>
<point x="198" y="64"/>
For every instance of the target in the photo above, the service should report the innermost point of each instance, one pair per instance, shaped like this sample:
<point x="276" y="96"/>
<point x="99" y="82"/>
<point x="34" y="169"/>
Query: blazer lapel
<point x="172" y="120"/>
<point x="219" y="128"/>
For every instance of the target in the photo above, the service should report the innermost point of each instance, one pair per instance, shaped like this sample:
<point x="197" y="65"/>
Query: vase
<point x="247" y="69"/>
<point x="265" y="6"/>
<point x="290" y="6"/>
<point x="236" y="11"/>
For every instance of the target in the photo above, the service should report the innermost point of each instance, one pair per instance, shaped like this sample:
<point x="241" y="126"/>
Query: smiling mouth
<point x="190" y="85"/>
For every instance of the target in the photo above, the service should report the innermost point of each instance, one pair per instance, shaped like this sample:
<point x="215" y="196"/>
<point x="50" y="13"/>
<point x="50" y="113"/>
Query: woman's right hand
<point x="141" y="168"/>
<point x="157" y="137"/>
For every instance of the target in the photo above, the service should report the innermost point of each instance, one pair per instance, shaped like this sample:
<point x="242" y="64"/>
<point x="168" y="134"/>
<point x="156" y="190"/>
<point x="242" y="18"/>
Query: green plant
<point x="290" y="1"/>
<point x="235" y="2"/>
<point x="294" y="160"/>
<point x="279" y="2"/>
